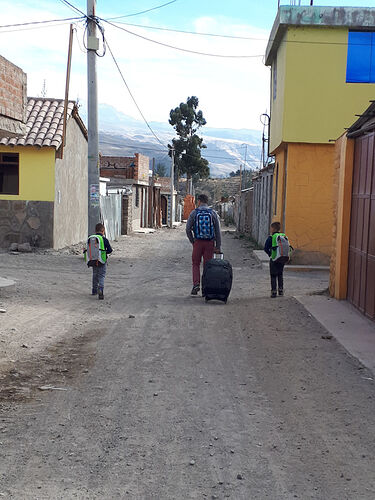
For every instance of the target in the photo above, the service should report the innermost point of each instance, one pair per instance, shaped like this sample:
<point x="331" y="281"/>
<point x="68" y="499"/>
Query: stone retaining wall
<point x="26" y="221"/>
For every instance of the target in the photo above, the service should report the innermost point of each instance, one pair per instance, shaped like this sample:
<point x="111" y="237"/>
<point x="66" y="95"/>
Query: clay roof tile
<point x="44" y="123"/>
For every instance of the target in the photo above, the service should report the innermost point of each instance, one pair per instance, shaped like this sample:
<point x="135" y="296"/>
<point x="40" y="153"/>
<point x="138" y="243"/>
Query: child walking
<point x="98" y="248"/>
<point x="276" y="264"/>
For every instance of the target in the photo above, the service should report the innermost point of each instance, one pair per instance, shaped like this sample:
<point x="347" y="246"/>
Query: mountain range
<point x="122" y="135"/>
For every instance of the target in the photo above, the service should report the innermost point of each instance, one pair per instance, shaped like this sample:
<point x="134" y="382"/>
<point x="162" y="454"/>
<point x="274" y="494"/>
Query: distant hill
<point x="122" y="135"/>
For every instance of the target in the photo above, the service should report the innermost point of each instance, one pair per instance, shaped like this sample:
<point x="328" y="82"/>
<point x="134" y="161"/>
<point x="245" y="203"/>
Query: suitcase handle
<point x="221" y="256"/>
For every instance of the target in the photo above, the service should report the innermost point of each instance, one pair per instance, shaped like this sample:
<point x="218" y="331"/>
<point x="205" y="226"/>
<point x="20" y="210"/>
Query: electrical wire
<point x="84" y="16"/>
<point x="179" y="48"/>
<point x="131" y="94"/>
<point x="40" y="22"/>
<point x="143" y="11"/>
<point x="73" y="7"/>
<point x="101" y="30"/>
<point x="29" y="28"/>
<point x="190" y="32"/>
<point x="309" y="42"/>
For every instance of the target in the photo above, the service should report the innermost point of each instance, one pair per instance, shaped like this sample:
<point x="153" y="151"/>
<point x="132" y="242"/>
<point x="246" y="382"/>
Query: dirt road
<point x="153" y="394"/>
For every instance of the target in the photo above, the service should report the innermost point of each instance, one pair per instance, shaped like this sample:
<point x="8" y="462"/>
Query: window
<point x="9" y="173"/>
<point x="137" y="196"/>
<point x="360" y="67"/>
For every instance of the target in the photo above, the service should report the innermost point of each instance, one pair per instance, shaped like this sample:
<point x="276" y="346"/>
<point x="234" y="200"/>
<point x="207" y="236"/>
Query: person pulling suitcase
<point x="203" y="231"/>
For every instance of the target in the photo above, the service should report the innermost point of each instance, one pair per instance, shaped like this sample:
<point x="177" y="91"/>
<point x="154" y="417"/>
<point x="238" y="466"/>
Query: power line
<point x="308" y="42"/>
<point x="179" y="48"/>
<point x="235" y="37"/>
<point x="73" y="7"/>
<point x="143" y="11"/>
<point x="134" y="146"/>
<point x="131" y="95"/>
<point x="192" y="32"/>
<point x="29" y="28"/>
<point x="40" y="22"/>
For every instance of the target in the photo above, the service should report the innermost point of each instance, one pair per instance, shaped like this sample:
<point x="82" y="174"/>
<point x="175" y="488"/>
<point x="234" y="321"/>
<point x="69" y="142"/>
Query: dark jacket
<point x="268" y="246"/>
<point x="107" y="246"/>
<point x="215" y="220"/>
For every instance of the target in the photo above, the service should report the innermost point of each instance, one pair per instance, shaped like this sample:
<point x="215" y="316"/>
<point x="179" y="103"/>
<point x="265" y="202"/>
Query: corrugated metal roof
<point x="365" y="123"/>
<point x="44" y="123"/>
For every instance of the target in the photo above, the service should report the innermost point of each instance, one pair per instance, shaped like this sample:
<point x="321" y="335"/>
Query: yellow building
<point x="43" y="184"/>
<point x="319" y="81"/>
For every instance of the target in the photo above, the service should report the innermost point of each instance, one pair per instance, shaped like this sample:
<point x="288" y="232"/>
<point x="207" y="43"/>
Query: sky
<point x="232" y="92"/>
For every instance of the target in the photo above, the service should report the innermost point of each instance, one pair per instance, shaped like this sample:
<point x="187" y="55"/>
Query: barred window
<point x="9" y="173"/>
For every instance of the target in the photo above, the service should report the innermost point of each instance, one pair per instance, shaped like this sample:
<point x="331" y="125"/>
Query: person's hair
<point x="203" y="198"/>
<point x="276" y="226"/>
<point x="99" y="227"/>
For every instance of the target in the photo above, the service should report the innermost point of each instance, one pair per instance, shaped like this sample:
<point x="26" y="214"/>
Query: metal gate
<point x="361" y="271"/>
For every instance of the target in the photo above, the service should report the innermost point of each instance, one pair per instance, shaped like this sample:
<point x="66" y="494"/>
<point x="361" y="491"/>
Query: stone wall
<point x="12" y="99"/>
<point x="26" y="222"/>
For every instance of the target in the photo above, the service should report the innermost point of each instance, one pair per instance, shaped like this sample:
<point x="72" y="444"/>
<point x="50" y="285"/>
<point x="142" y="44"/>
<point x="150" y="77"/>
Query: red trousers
<point x="201" y="248"/>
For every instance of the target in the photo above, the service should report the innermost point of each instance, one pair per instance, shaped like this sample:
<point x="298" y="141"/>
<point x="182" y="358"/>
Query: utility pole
<point x="92" y="44"/>
<point x="172" y="192"/>
<point x="239" y="201"/>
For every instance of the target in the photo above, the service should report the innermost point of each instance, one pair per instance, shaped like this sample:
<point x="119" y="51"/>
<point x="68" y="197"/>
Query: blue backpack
<point x="204" y="225"/>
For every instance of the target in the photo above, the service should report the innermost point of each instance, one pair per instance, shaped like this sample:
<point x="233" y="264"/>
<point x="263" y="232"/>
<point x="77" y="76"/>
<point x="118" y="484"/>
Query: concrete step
<point x="263" y="259"/>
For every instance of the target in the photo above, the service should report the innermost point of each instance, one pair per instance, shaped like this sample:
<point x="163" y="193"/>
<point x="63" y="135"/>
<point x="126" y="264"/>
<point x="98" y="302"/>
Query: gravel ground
<point x="153" y="394"/>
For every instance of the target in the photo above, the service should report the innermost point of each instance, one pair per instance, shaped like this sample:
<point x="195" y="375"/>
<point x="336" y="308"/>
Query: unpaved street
<point x="153" y="394"/>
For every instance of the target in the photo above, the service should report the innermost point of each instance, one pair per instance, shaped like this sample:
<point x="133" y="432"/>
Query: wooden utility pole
<point x="67" y="82"/>
<point x="92" y="44"/>
<point x="171" y="217"/>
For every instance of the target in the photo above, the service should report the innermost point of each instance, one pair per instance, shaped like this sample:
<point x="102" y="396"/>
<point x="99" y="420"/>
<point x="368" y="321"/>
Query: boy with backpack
<point x="203" y="231"/>
<point x="277" y="248"/>
<point x="98" y="248"/>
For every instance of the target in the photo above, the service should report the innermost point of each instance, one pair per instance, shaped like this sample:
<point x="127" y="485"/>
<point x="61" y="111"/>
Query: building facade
<point x="43" y="185"/>
<point x="316" y="89"/>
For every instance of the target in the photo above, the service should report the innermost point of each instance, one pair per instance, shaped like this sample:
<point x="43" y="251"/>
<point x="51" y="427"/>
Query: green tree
<point x="160" y="170"/>
<point x="186" y="121"/>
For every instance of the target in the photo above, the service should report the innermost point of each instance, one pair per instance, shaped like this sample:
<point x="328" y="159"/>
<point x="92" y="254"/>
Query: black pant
<point x="276" y="272"/>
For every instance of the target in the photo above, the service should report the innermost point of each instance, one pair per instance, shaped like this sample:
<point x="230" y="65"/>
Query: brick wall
<point x="127" y="214"/>
<point x="117" y="167"/>
<point x="13" y="99"/>
<point x="143" y="167"/>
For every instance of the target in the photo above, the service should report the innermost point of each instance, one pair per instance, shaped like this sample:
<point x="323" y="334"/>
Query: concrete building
<point x="13" y="100"/>
<point x="321" y="76"/>
<point x="165" y="192"/>
<point x="131" y="177"/>
<point x="43" y="184"/>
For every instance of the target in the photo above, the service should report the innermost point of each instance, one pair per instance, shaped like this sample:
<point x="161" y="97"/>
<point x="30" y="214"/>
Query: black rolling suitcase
<point x="217" y="279"/>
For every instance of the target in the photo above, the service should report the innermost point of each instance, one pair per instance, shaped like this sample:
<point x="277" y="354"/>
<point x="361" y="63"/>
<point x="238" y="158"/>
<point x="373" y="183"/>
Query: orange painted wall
<point x="306" y="198"/>
<point x="344" y="163"/>
<point x="278" y="185"/>
<point x="309" y="200"/>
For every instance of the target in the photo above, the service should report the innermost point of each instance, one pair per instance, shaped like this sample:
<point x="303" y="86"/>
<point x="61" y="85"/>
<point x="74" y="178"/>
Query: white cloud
<point x="232" y="92"/>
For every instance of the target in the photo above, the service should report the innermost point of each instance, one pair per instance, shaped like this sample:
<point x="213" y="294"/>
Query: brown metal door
<point x="361" y="272"/>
